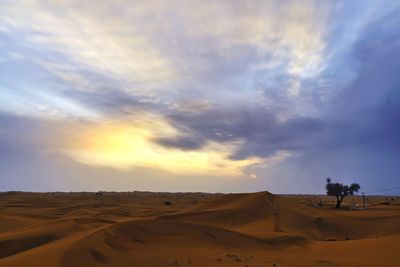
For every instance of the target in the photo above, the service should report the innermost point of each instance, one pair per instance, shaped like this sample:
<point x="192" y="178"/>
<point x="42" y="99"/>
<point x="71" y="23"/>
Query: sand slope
<point x="138" y="229"/>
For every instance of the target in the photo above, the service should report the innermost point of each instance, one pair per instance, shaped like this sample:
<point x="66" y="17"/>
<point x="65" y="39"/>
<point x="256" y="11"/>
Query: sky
<point x="212" y="96"/>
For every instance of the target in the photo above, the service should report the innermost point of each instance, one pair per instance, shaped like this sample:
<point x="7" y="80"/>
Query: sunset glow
<point x="126" y="147"/>
<point x="177" y="95"/>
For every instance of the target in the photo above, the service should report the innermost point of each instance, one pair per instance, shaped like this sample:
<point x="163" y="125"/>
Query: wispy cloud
<point x="223" y="88"/>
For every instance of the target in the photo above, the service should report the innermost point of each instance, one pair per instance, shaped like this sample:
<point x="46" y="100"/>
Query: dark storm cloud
<point x="183" y="142"/>
<point x="262" y="132"/>
<point x="361" y="137"/>
<point x="373" y="99"/>
<point x="365" y="115"/>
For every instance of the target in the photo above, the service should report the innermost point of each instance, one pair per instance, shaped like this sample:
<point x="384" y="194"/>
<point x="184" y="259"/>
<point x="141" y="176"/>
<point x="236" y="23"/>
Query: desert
<point x="196" y="229"/>
<point x="203" y="133"/>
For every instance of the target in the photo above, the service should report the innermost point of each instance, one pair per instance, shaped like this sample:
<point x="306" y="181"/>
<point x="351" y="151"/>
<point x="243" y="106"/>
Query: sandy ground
<point x="140" y="229"/>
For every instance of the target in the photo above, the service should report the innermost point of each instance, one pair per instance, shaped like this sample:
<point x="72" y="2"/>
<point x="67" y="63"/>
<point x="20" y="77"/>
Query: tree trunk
<point x="339" y="201"/>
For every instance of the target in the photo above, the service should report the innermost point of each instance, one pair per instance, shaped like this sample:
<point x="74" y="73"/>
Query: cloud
<point x="182" y="142"/>
<point x="111" y="102"/>
<point x="359" y="141"/>
<point x="229" y="88"/>
<point x="127" y="146"/>
<point x="121" y="146"/>
<point x="261" y="131"/>
<point x="186" y="43"/>
<point x="110" y="45"/>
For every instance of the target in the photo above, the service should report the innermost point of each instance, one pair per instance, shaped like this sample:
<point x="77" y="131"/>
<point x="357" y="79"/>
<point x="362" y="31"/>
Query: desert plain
<point x="196" y="229"/>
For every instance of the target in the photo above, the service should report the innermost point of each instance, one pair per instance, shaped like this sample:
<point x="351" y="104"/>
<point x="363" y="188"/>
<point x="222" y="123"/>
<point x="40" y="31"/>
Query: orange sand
<point x="138" y="229"/>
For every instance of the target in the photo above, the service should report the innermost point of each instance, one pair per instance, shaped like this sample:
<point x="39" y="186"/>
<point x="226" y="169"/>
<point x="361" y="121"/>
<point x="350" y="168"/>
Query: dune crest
<point x="257" y="229"/>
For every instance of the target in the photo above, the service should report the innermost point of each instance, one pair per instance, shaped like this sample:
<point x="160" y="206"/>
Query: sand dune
<point x="139" y="229"/>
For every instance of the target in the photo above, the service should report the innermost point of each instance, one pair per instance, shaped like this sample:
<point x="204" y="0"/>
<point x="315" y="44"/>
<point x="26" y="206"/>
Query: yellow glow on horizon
<point x="126" y="147"/>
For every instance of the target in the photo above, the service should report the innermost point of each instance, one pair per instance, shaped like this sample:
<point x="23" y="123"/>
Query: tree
<point x="340" y="191"/>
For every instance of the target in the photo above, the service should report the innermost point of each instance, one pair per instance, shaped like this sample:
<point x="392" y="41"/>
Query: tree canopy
<point x="340" y="191"/>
